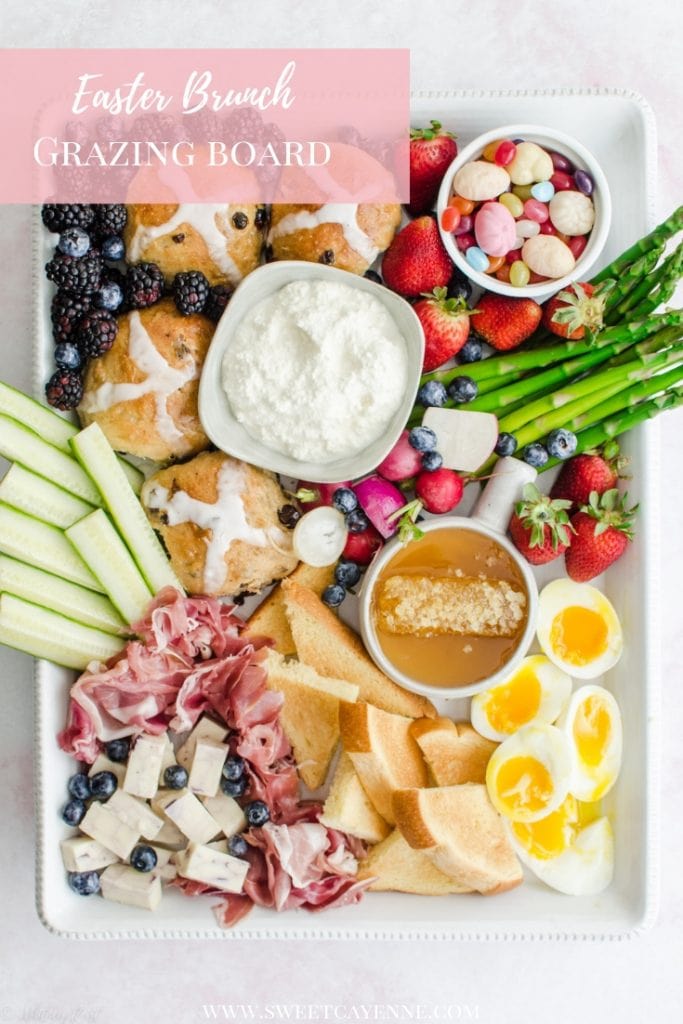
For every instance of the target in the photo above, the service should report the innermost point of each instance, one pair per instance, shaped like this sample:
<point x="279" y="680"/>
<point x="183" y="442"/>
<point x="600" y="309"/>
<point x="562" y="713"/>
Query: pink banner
<point x="162" y="126"/>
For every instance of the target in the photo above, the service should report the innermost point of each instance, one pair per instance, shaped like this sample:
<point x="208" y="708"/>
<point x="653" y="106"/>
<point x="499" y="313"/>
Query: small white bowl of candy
<point x="524" y="210"/>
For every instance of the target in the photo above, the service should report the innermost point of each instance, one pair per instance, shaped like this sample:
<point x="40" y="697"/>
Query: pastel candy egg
<point x="494" y="229"/>
<point x="479" y="180"/>
<point x="527" y="228"/>
<point x="477" y="258"/>
<point x="572" y="213"/>
<point x="548" y="256"/>
<point x="531" y="164"/>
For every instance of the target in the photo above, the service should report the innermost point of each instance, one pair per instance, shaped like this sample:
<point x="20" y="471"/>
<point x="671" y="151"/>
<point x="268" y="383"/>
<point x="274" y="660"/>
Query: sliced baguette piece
<point x="333" y="649"/>
<point x="462" y="834"/>
<point x="397" y="867"/>
<point x="454" y="751"/>
<point x="310" y="714"/>
<point x="270" y="618"/>
<point x="348" y="807"/>
<point x="383" y="752"/>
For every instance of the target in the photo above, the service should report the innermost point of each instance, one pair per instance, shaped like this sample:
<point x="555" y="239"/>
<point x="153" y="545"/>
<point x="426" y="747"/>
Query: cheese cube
<point x="103" y="825"/>
<point x="202" y="864"/>
<point x="167" y="758"/>
<point x="124" y="884"/>
<point x="207" y="766"/>
<point x="135" y="813"/>
<point x="80" y="853"/>
<point x="205" y="729"/>
<point x="103" y="764"/>
<point x="144" y="766"/>
<point x="165" y="866"/>
<point x="227" y="813"/>
<point x="188" y="813"/>
<point x="218" y="844"/>
<point x="170" y="835"/>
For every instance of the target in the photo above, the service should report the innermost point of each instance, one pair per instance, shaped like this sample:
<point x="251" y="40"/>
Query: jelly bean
<point x="512" y="203"/>
<point x="519" y="274"/>
<point x="450" y="218"/>
<point x="562" y="237"/>
<point x="464" y="242"/>
<point x="464" y="225"/>
<point x="505" y="153"/>
<point x="548" y="228"/>
<point x="495" y="263"/>
<point x="572" y="212"/>
<point x="489" y="152"/>
<point x="522" y="191"/>
<point x="477" y="258"/>
<point x="517" y="141"/>
<point x="560" y="163"/>
<point x="503" y="273"/>
<point x="528" y="228"/>
<point x="514" y="254"/>
<point x="561" y="181"/>
<point x="577" y="244"/>
<point x="584" y="182"/>
<point x="494" y="229"/>
<point x="536" y="211"/>
<point x="460" y="203"/>
<point x="543" y="191"/>
<point x="536" y="278"/>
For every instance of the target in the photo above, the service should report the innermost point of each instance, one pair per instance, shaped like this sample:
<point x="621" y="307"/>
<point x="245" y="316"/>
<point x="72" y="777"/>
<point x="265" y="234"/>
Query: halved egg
<point x="592" y="724"/>
<point x="578" y="629"/>
<point x="528" y="775"/>
<point x="536" y="692"/>
<point x="575" y="860"/>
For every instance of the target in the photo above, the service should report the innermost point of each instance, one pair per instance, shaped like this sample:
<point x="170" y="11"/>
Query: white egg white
<point x="583" y="868"/>
<point x="555" y="598"/>
<point x="545" y="744"/>
<point x="555" y="688"/>
<point x="591" y="781"/>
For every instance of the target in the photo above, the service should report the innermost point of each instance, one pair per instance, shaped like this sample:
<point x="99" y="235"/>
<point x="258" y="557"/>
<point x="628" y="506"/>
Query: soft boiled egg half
<point x="528" y="775"/>
<point x="592" y="724"/>
<point x="536" y="692"/>
<point x="578" y="628"/>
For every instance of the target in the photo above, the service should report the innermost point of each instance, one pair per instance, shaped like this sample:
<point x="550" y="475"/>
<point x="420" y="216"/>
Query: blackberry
<point x="64" y="389"/>
<point x="96" y="333"/>
<point x="80" y="275"/>
<point x="110" y="219"/>
<point x="190" y="292"/>
<point x="58" y="216"/>
<point x="219" y="296"/>
<point x="144" y="285"/>
<point x="66" y="309"/>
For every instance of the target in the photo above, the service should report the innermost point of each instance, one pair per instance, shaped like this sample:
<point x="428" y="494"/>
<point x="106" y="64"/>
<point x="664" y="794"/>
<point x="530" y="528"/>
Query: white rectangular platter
<point x="619" y="128"/>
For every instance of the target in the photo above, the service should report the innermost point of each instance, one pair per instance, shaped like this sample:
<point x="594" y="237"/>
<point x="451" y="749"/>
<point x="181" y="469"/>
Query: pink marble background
<point x="455" y="44"/>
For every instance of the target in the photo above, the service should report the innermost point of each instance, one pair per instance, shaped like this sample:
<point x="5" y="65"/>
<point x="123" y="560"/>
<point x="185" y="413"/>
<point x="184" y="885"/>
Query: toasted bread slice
<point x="270" y="619"/>
<point x="348" y="808"/>
<point x="333" y="649"/>
<point x="383" y="752"/>
<point x="454" y="751"/>
<point x="461" y="832"/>
<point x="397" y="867"/>
<point x="310" y="714"/>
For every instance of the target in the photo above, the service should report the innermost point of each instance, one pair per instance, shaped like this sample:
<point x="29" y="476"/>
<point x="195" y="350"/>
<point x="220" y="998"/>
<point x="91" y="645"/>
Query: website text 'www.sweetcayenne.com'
<point x="422" y="1012"/>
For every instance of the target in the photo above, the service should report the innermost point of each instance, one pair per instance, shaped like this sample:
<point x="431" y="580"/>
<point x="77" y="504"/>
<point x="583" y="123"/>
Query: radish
<point x="439" y="491"/>
<point x="360" y="547"/>
<point x="319" y="536"/>
<point x="379" y="499"/>
<point x="402" y="462"/>
<point x="465" y="438"/>
<point x="322" y="493"/>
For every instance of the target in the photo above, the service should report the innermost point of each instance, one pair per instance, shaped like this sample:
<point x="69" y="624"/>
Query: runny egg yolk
<point x="523" y="783"/>
<point x="578" y="635"/>
<point x="591" y="730"/>
<point x="551" y="835"/>
<point x="515" y="703"/>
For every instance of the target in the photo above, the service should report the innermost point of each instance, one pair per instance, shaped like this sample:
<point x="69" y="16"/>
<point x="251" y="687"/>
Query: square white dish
<point x="619" y="128"/>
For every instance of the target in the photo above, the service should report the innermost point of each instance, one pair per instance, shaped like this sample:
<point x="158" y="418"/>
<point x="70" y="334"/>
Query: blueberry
<point x="471" y="352"/>
<point x="561" y="444"/>
<point x="79" y="786"/>
<point x="235" y="787"/>
<point x="506" y="444"/>
<point x="113" y="248"/>
<point x="85" y="883"/>
<point x="74" y="242"/>
<point x="432" y="461"/>
<point x="535" y="455"/>
<point x="118" y="750"/>
<point x="233" y="768"/>
<point x="357" y="521"/>
<point x="344" y="500"/>
<point x="103" y="784"/>
<point x="422" y="439"/>
<point x="333" y="595"/>
<point x="68" y="356"/>
<point x="432" y="393"/>
<point x="372" y="275"/>
<point x="462" y="389"/>
<point x="257" y="813"/>
<point x="238" y="846"/>
<point x="459" y="286"/>
<point x="347" y="574"/>
<point x="74" y="812"/>
<point x="175" y="776"/>
<point x="143" y="858"/>
<point x="109" y="296"/>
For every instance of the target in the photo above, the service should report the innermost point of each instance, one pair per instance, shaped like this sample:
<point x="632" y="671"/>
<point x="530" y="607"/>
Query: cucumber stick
<point x="96" y="456"/>
<point x="59" y="595"/>
<point x="40" y="498"/>
<point x="43" y="546"/>
<point x="19" y="444"/>
<point x="135" y="476"/>
<point x="45" y="634"/>
<point x="110" y="561"/>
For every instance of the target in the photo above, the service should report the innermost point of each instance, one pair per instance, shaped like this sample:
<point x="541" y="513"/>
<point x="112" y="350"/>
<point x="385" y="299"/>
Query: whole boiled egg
<point x="528" y="775"/>
<point x="575" y="860"/>
<point x="578" y="629"/>
<point x="536" y="692"/>
<point x="592" y="724"/>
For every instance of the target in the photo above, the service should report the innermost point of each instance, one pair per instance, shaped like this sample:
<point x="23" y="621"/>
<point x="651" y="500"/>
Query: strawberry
<point x="591" y="471"/>
<point x="506" y="322"/>
<point x="431" y="152"/>
<point x="439" y="491"/>
<point x="540" y="527"/>
<point x="360" y="547"/>
<point x="311" y="495"/>
<point x="603" y="529"/>
<point x="574" y="311"/>
<point x="416" y="260"/>
<point x="446" y="324"/>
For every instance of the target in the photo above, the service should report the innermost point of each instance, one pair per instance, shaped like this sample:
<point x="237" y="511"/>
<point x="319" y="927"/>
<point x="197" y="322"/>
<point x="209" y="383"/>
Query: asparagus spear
<point x="623" y="400"/>
<point x="511" y="362"/>
<point x="672" y="268"/>
<point x="661" y="234"/>
<point x="644" y="268"/>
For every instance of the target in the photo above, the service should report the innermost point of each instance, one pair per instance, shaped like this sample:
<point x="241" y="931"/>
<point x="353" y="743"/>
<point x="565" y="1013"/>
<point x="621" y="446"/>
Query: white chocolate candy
<point x="572" y="213"/>
<point x="480" y="180"/>
<point x="531" y="164"/>
<point x="548" y="255"/>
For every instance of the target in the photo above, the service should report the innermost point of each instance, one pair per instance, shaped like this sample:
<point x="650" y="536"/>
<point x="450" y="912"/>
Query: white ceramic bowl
<point x="214" y="409"/>
<point x="550" y="139"/>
